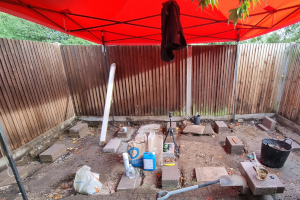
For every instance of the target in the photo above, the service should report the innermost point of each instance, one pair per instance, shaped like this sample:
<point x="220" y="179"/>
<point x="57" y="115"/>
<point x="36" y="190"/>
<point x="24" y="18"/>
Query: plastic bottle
<point x="131" y="172"/>
<point x="149" y="161"/>
<point x="155" y="144"/>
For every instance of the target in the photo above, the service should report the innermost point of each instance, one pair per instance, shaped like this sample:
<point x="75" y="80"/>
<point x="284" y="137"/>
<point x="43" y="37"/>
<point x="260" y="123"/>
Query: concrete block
<point x="234" y="148"/>
<point x="122" y="134"/>
<point x="7" y="180"/>
<point x="170" y="177"/>
<point x="295" y="145"/>
<point x="80" y="134"/>
<point x="206" y="174"/>
<point x="52" y="153"/>
<point x="250" y="196"/>
<point x="112" y="146"/>
<point x="269" y="123"/>
<point x="220" y="127"/>
<point x="78" y="128"/>
<point x="194" y="129"/>
<point x="271" y="185"/>
<point x="263" y="128"/>
<point x="127" y="184"/>
<point x="170" y="152"/>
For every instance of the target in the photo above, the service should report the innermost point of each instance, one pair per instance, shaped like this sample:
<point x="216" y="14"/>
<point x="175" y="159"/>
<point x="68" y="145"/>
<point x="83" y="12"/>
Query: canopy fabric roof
<point x="136" y="22"/>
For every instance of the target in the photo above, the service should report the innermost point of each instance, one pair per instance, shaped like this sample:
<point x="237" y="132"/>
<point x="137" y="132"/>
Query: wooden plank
<point x="107" y="103"/>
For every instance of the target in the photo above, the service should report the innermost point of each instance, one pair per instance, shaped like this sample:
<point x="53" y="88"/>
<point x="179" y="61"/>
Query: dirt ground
<point x="55" y="180"/>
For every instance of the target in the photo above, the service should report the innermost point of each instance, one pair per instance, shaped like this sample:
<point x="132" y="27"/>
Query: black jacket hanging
<point x="171" y="30"/>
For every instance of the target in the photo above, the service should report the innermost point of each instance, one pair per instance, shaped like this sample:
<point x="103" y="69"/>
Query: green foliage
<point x="17" y="28"/>
<point x="240" y="12"/>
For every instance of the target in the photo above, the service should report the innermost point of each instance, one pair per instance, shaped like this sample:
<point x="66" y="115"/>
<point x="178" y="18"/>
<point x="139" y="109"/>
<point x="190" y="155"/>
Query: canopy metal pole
<point x="8" y="154"/>
<point x="235" y="72"/>
<point x="105" y="60"/>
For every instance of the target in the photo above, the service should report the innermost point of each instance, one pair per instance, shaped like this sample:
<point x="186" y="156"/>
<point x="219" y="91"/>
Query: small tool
<point x="165" y="194"/>
<point x="235" y="141"/>
<point x="170" y="164"/>
<point x="261" y="173"/>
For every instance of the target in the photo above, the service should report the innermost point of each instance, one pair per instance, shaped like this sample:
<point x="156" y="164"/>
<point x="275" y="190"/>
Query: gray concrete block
<point x="127" y="184"/>
<point x="170" y="177"/>
<point x="221" y="127"/>
<point x="269" y="123"/>
<point x="250" y="196"/>
<point x="112" y="146"/>
<point x="271" y="185"/>
<point x="7" y="180"/>
<point x="234" y="148"/>
<point x="78" y="128"/>
<point x="262" y="127"/>
<point x="170" y="152"/>
<point x="122" y="134"/>
<point x="52" y="153"/>
<point x="80" y="134"/>
<point x="206" y="174"/>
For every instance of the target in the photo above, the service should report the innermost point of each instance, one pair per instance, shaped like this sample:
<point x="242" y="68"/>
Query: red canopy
<point x="132" y="22"/>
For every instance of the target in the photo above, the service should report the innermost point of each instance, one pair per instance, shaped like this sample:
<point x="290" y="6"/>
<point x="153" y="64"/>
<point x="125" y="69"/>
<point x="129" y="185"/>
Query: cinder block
<point x="269" y="123"/>
<point x="271" y="185"/>
<point x="170" y="152"/>
<point x="78" y="128"/>
<point x="112" y="146"/>
<point x="170" y="177"/>
<point x="7" y="180"/>
<point x="221" y="127"/>
<point x="80" y="134"/>
<point x="206" y="174"/>
<point x="122" y="134"/>
<point x="52" y="153"/>
<point x="127" y="184"/>
<point x="234" y="148"/>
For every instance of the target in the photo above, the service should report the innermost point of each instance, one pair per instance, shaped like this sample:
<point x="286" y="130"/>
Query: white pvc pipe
<point x="126" y="163"/>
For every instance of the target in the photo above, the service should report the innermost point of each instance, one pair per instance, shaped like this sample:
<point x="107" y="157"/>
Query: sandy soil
<point x="46" y="180"/>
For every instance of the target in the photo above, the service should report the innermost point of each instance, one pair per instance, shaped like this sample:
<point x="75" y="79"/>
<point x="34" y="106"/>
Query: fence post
<point x="236" y="71"/>
<point x="284" y="76"/>
<point x="189" y="80"/>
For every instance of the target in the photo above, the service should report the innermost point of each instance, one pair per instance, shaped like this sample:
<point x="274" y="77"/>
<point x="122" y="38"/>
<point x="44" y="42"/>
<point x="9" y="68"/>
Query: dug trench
<point x="54" y="180"/>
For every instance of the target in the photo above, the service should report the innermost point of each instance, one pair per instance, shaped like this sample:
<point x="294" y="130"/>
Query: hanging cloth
<point x="171" y="30"/>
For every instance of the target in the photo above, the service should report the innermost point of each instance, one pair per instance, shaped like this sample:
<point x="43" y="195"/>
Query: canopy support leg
<point x="235" y="72"/>
<point x="11" y="161"/>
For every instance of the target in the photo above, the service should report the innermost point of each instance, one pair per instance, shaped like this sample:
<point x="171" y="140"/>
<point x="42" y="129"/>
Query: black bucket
<point x="275" y="152"/>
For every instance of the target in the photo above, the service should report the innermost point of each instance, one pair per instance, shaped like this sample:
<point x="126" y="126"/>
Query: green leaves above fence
<point x="239" y="13"/>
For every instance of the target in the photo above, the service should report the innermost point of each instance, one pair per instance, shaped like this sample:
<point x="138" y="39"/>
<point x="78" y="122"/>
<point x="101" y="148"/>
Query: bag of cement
<point x="136" y="151"/>
<point x="141" y="137"/>
<point x="87" y="182"/>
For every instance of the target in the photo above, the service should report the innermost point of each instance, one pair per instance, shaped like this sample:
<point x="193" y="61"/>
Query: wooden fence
<point x="144" y="85"/>
<point x="290" y="101"/>
<point x="34" y="95"/>
<point x="35" y="80"/>
<point x="259" y="77"/>
<point x="212" y="79"/>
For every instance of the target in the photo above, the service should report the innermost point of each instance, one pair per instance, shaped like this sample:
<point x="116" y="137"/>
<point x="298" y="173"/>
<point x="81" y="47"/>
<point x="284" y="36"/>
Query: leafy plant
<point x="241" y="12"/>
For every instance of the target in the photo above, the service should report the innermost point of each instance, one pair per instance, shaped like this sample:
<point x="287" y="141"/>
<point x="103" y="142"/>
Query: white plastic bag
<point x="86" y="182"/>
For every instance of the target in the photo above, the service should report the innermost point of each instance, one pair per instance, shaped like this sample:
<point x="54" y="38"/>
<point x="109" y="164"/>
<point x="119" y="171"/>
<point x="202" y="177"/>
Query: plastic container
<point x="275" y="152"/>
<point x="131" y="172"/>
<point x="155" y="144"/>
<point x="126" y="163"/>
<point x="149" y="161"/>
